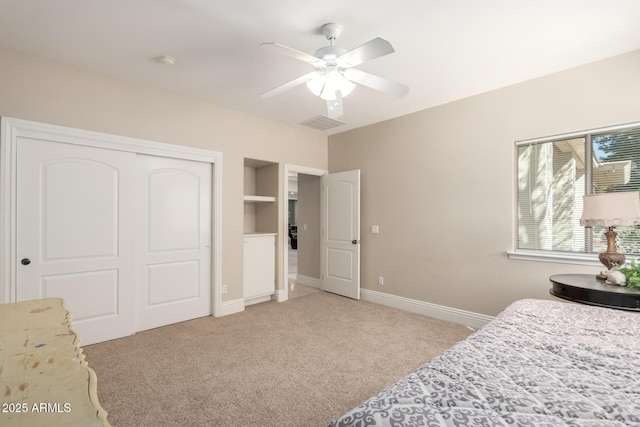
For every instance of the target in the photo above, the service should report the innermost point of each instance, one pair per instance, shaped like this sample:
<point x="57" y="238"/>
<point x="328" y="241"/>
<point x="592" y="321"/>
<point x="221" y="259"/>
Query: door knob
<point x="25" y="261"/>
<point x="354" y="241"/>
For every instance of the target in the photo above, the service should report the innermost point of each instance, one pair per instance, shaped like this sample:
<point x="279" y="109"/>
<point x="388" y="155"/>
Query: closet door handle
<point x="354" y="241"/>
<point x="25" y="261"/>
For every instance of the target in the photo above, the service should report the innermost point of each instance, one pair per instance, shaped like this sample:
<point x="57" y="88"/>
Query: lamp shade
<point x="611" y="209"/>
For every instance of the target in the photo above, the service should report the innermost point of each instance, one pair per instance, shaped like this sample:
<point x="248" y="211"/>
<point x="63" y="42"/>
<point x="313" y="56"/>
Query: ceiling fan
<point x="334" y="76"/>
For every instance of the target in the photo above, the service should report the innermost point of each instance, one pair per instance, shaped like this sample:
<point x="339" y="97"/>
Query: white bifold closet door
<point x="123" y="238"/>
<point x="174" y="241"/>
<point x="75" y="233"/>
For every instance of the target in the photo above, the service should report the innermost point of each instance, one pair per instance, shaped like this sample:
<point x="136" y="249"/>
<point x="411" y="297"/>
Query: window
<point x="552" y="176"/>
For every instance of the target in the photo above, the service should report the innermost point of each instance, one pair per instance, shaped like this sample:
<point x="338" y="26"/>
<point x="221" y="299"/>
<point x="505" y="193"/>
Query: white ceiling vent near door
<point x="322" y="123"/>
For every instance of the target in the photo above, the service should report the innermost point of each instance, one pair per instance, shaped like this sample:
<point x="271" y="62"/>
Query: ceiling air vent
<point x="322" y="123"/>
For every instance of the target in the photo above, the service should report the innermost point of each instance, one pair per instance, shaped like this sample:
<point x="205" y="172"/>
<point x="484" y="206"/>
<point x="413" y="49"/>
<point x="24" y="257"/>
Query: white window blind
<point x="554" y="173"/>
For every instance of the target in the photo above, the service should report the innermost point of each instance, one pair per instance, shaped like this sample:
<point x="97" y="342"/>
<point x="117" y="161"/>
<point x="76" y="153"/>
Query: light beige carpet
<point x="297" y="363"/>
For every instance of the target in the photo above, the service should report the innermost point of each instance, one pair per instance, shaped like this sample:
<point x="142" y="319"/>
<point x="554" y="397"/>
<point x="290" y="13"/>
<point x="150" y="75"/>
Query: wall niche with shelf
<point x="260" y="229"/>
<point x="260" y="194"/>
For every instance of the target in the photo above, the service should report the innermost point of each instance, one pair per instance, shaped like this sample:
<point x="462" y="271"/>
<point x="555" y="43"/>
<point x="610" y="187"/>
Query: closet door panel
<point x="174" y="241"/>
<point x="74" y="233"/>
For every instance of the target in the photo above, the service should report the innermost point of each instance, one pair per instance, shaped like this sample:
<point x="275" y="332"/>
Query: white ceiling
<point x="445" y="49"/>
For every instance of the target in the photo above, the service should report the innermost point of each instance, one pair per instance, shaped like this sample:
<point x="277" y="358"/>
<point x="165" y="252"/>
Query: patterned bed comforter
<point x="538" y="363"/>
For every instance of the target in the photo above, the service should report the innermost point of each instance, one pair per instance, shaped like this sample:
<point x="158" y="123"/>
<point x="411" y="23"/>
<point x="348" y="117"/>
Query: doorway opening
<point x="302" y="245"/>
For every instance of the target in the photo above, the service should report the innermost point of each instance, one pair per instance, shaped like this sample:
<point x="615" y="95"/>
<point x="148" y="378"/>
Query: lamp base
<point x="611" y="259"/>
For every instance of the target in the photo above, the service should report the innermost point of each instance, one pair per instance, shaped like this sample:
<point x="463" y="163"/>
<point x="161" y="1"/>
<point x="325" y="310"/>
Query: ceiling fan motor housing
<point x="332" y="31"/>
<point x="329" y="53"/>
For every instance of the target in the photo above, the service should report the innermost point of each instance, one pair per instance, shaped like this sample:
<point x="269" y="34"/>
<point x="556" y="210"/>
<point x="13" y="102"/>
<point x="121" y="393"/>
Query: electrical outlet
<point x="380" y="280"/>
<point x="224" y="288"/>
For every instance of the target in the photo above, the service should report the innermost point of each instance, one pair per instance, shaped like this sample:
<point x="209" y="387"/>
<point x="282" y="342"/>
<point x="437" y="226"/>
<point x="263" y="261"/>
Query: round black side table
<point x="586" y="289"/>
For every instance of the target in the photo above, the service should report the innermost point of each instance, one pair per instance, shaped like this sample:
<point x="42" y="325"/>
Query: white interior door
<point x="174" y="241"/>
<point x="75" y="231"/>
<point x="340" y="247"/>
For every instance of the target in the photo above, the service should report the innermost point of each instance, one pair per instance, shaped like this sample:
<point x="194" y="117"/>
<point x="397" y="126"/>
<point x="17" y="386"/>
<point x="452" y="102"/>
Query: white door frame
<point x="282" y="294"/>
<point x="11" y="129"/>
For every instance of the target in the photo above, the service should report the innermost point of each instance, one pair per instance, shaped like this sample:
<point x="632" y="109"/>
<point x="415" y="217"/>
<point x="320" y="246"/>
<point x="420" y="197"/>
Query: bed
<point x="538" y="363"/>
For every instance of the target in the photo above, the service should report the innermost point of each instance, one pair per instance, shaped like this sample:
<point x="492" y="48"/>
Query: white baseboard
<point x="231" y="307"/>
<point x="309" y="281"/>
<point x="257" y="299"/>
<point x="279" y="296"/>
<point x="474" y="320"/>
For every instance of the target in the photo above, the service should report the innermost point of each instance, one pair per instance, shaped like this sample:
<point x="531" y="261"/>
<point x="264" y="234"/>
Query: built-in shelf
<point x="259" y="199"/>
<point x="260" y="230"/>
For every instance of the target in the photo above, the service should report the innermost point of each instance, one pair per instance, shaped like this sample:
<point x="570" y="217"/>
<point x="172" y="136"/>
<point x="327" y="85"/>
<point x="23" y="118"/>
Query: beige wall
<point x="45" y="91"/>
<point x="440" y="184"/>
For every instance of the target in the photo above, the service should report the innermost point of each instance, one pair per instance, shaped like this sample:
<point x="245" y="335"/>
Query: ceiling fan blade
<point x="289" y="85"/>
<point x="334" y="107"/>
<point x="293" y="53"/>
<point x="370" y="50"/>
<point x="375" y="82"/>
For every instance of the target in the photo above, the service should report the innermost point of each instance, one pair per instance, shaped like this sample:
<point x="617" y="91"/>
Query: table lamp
<point x="611" y="210"/>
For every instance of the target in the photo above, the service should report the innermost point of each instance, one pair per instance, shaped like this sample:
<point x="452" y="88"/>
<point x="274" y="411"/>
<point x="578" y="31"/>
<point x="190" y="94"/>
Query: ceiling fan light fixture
<point x="347" y="88"/>
<point x="315" y="85"/>
<point x="326" y="85"/>
<point x="328" y="95"/>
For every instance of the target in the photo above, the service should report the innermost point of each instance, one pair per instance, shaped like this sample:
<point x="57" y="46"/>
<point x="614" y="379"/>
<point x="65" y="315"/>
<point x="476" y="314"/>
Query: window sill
<point x="557" y="257"/>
